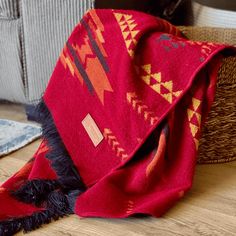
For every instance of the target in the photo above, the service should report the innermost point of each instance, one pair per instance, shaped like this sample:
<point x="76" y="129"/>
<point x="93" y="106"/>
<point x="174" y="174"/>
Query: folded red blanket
<point x="121" y="120"/>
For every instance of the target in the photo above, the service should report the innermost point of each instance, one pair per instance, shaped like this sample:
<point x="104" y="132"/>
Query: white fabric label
<point x="92" y="130"/>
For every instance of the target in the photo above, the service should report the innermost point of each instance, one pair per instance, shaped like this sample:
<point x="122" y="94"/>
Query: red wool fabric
<point x="147" y="91"/>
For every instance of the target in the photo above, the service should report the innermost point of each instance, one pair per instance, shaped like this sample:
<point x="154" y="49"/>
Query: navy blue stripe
<point x="79" y="66"/>
<point x="95" y="46"/>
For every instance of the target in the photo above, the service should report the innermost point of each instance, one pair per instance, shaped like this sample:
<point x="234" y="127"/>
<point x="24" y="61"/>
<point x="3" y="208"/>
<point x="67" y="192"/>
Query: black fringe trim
<point x="68" y="176"/>
<point x="57" y="206"/>
<point x="57" y="196"/>
<point x="35" y="191"/>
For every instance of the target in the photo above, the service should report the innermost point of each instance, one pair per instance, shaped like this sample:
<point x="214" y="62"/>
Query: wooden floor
<point x="208" y="209"/>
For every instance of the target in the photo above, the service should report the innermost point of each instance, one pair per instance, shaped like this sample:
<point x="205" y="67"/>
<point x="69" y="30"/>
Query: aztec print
<point x="113" y="142"/>
<point x="158" y="153"/>
<point x="194" y="118"/>
<point x="154" y="80"/>
<point x="170" y="43"/>
<point x="147" y="91"/>
<point x="87" y="61"/>
<point x="128" y="28"/>
<point x="142" y="109"/>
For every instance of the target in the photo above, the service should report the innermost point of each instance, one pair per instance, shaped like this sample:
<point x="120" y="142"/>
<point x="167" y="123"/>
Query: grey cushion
<point x="32" y="35"/>
<point x="47" y="25"/>
<point x="9" y="9"/>
<point x="11" y="74"/>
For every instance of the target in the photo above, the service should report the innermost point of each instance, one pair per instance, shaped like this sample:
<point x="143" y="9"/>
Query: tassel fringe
<point x="57" y="196"/>
<point x="35" y="191"/>
<point x="57" y="206"/>
<point x="68" y="176"/>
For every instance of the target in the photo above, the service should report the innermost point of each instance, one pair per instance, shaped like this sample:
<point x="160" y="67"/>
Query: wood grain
<point x="208" y="209"/>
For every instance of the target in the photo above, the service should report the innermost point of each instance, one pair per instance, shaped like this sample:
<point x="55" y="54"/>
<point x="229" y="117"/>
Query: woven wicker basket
<point x="218" y="142"/>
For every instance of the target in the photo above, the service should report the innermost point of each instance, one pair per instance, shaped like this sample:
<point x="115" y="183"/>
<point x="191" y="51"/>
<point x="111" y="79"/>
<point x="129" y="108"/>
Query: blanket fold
<point x="121" y="119"/>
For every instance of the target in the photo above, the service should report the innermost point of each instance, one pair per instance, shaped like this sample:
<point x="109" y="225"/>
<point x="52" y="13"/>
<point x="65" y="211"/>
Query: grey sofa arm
<point x="32" y="35"/>
<point x="46" y="25"/>
<point x="11" y="73"/>
<point x="9" y="9"/>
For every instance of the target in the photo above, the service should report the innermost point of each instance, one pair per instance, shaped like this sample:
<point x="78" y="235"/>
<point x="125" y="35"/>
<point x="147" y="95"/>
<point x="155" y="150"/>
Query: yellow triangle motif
<point x="196" y="103"/>
<point x="135" y="41"/>
<point x="134" y="33"/>
<point x="146" y="79"/>
<point x="157" y="77"/>
<point x="128" y="17"/>
<point x="127" y="25"/>
<point x="168" y="97"/>
<point x="194" y="129"/>
<point x="194" y="124"/>
<point x="147" y="68"/>
<point x="177" y="93"/>
<point x="128" y="43"/>
<point x="131" y="52"/>
<point x="157" y="86"/>
<point x="118" y="16"/>
<point x="123" y="23"/>
<point x="168" y="85"/>
<point x="126" y="34"/>
<point x="132" y="26"/>
<point x="130" y="22"/>
<point x="123" y="27"/>
<point x="190" y="114"/>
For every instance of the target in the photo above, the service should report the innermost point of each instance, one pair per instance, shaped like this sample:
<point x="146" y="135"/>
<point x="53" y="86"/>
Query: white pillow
<point x="213" y="17"/>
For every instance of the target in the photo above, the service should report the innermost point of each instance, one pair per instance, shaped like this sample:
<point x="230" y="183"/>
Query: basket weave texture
<point x="218" y="142"/>
<point x="216" y="35"/>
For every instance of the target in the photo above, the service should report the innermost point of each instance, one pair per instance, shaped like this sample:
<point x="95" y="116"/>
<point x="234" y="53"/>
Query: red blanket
<point x="121" y="120"/>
